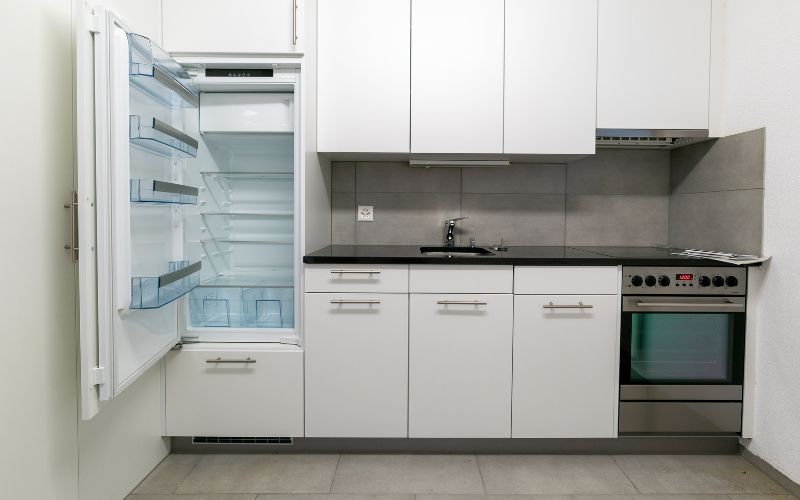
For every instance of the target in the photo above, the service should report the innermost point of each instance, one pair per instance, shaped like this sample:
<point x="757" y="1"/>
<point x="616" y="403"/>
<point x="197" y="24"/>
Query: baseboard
<point x="624" y="445"/>
<point x="778" y="476"/>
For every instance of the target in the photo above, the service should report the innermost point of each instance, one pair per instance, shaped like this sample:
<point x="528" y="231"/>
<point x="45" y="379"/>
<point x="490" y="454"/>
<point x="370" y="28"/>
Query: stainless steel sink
<point x="454" y="251"/>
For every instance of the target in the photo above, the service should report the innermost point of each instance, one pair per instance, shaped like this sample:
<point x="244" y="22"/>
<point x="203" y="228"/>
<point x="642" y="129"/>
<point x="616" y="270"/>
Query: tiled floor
<point x="457" y="477"/>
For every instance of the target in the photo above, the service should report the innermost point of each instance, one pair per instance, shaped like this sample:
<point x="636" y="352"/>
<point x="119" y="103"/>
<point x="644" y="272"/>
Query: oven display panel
<point x="684" y="277"/>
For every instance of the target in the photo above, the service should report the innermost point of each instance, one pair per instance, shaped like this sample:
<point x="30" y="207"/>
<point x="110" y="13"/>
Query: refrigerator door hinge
<point x="185" y="340"/>
<point x="94" y="23"/>
<point x="98" y="375"/>
<point x="72" y="206"/>
<point x="290" y="340"/>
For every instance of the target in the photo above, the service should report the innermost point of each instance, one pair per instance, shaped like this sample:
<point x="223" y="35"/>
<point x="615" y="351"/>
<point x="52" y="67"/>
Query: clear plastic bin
<point x="158" y="291"/>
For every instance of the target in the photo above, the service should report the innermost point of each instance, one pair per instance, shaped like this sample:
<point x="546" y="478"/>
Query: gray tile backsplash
<point x="615" y="197"/>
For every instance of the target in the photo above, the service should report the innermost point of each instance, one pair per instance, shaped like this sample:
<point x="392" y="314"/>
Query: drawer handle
<point x="346" y="301"/>
<point x="355" y="271"/>
<point x="461" y="302"/>
<point x="579" y="305"/>
<point x="220" y="360"/>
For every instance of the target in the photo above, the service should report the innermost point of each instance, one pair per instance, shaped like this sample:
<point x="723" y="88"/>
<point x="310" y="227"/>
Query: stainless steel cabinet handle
<point x="294" y="22"/>
<point x="579" y="305"/>
<point x="355" y="271"/>
<point x="461" y="302"/>
<point x="688" y="304"/>
<point x="248" y="360"/>
<point x="354" y="301"/>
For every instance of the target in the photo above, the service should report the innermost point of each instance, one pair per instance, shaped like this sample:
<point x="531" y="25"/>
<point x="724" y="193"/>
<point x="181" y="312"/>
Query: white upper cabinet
<point x="233" y="26"/>
<point x="457" y="76"/>
<point x="653" y="64"/>
<point x="550" y="76"/>
<point x="364" y="51"/>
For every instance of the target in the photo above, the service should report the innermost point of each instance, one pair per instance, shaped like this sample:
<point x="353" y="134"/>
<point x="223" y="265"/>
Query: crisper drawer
<point x="461" y="279"/>
<point x="565" y="280"/>
<point x="356" y="365"/>
<point x="235" y="390"/>
<point x="356" y="278"/>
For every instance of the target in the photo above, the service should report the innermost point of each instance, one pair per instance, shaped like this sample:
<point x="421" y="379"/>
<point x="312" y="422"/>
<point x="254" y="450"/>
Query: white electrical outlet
<point x="365" y="213"/>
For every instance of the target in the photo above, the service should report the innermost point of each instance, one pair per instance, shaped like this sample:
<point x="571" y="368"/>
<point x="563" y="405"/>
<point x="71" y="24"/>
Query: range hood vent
<point x="607" y="138"/>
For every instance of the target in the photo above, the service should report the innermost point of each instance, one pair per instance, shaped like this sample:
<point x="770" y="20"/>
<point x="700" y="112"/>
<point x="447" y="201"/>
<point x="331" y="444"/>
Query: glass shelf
<point x="160" y="138"/>
<point x="153" y="191"/>
<point x="153" y="71"/>
<point x="158" y="291"/>
<point x="242" y="307"/>
<point x="250" y="281"/>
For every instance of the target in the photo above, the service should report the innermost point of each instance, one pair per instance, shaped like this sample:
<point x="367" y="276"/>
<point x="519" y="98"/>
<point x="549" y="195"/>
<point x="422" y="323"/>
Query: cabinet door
<point x="356" y="365"/>
<point x="235" y="390"/>
<point x="460" y="366"/>
<point x="550" y="76"/>
<point x="457" y="76"/>
<point x="565" y="366"/>
<point x="653" y="64"/>
<point x="233" y="26"/>
<point x="363" y="76"/>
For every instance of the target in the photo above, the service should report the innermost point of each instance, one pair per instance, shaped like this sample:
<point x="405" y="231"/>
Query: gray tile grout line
<point x="614" y="458"/>
<point x="480" y="471"/>
<point x="335" y="470"/>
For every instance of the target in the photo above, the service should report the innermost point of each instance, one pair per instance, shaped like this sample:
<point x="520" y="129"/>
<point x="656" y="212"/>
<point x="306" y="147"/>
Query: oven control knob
<point x="705" y="281"/>
<point x="650" y="281"/>
<point x="731" y="281"/>
<point x="663" y="280"/>
<point x="718" y="281"/>
<point x="637" y="280"/>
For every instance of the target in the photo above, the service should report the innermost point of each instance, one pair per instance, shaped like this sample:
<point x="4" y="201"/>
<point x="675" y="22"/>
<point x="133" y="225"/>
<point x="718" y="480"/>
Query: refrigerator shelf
<point x="253" y="213"/>
<point x="248" y="175"/>
<point x="158" y="291"/>
<point x="248" y="281"/>
<point x="269" y="240"/>
<point x="153" y="191"/>
<point x="160" y="138"/>
<point x="157" y="74"/>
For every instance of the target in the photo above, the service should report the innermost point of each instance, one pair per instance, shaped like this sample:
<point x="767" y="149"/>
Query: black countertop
<point x="517" y="256"/>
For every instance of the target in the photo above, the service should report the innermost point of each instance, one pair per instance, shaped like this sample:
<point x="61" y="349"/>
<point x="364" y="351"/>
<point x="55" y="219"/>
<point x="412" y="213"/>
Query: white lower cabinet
<point x="565" y="366"/>
<point x="356" y="364"/>
<point x="235" y="390"/>
<point x="460" y="365"/>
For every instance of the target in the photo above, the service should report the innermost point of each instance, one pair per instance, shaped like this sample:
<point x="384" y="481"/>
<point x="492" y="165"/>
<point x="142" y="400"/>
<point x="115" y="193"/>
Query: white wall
<point x="760" y="71"/>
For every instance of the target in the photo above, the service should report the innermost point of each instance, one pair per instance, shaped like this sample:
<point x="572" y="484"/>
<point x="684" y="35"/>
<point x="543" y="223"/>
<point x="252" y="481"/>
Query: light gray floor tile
<point x="679" y="474"/>
<point x="762" y="497"/>
<point x="261" y="474"/>
<point x="168" y="475"/>
<point x="408" y="474"/>
<point x="193" y="497"/>
<point x="494" y="497"/>
<point x="335" y="496"/>
<point x="560" y="474"/>
<point x="650" y="497"/>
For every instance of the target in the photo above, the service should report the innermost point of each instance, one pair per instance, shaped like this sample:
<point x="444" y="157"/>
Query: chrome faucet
<point x="450" y="226"/>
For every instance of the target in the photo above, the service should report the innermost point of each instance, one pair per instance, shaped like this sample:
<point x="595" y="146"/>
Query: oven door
<point x="682" y="348"/>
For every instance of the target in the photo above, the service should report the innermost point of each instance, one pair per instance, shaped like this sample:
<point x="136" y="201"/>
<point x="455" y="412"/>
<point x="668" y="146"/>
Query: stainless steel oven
<point x="682" y="350"/>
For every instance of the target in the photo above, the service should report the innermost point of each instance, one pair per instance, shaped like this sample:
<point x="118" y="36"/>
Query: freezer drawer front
<point x="235" y="390"/>
<point x="679" y="418"/>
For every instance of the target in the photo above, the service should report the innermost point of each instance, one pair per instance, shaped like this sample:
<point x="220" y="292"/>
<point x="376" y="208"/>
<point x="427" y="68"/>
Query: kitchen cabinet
<point x="233" y="26"/>
<point x="566" y="348"/>
<point x="234" y="390"/>
<point x="550" y="76"/>
<point x="356" y="364"/>
<point x="457" y="76"/>
<point x="653" y="64"/>
<point x="363" y="75"/>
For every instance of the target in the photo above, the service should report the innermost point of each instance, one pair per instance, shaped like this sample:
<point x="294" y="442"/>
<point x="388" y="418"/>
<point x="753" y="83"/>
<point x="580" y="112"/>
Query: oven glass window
<point x="681" y="347"/>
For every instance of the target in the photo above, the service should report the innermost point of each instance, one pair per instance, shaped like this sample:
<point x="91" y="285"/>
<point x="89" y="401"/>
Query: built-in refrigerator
<point x="187" y="208"/>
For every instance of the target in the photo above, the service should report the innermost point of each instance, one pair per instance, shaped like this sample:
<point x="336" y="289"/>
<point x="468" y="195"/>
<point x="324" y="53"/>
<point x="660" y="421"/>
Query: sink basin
<point x="448" y="251"/>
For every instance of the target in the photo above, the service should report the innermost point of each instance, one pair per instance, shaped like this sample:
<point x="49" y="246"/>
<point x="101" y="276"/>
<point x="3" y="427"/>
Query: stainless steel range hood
<point x="629" y="138"/>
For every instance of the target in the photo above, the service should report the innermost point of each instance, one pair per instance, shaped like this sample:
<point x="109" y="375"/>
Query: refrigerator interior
<point x="244" y="224"/>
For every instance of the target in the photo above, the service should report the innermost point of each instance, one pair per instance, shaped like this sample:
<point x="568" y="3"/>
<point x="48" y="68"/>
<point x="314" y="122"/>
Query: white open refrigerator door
<point x="131" y="105"/>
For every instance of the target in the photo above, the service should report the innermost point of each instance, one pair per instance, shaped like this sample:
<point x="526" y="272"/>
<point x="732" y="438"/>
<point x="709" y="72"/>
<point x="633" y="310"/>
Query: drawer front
<point x="460" y="366"/>
<point x="565" y="366"/>
<point x="567" y="280"/>
<point x="356" y="365"/>
<point x="356" y="278"/>
<point x="461" y="279"/>
<point x="679" y="417"/>
<point x="263" y="397"/>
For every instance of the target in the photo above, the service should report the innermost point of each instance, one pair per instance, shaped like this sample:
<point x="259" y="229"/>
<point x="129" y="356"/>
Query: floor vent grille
<point x="242" y="440"/>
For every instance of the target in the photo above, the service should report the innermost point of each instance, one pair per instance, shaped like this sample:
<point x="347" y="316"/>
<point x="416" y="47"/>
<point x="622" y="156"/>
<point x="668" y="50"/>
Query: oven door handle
<point x="732" y="305"/>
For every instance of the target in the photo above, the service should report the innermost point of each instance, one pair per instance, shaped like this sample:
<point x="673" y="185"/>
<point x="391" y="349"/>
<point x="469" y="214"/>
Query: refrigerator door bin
<point x="153" y="191"/>
<point x="155" y="292"/>
<point x="160" y="138"/>
<point x="241" y="307"/>
<point x="153" y="71"/>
